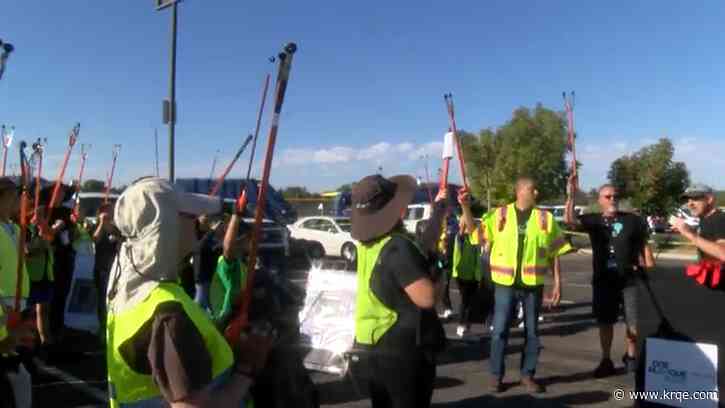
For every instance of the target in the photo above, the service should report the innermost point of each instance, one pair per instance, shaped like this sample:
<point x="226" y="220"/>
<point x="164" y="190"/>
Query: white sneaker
<point x="461" y="331"/>
<point x="446" y="314"/>
<point x="521" y="325"/>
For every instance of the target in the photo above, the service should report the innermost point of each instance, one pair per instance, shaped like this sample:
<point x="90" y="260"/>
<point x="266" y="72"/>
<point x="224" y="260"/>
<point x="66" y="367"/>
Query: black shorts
<point x="40" y="292"/>
<point x="610" y="299"/>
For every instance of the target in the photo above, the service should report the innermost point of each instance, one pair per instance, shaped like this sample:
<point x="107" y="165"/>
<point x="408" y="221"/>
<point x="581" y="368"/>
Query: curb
<point x="664" y="255"/>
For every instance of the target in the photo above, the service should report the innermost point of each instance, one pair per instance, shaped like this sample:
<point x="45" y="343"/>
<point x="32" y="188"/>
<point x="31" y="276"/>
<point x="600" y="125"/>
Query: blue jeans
<point x="506" y="298"/>
<point x="202" y="294"/>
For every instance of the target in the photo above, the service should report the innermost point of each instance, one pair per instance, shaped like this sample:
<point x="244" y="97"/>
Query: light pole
<point x="7" y="48"/>
<point x="169" y="106"/>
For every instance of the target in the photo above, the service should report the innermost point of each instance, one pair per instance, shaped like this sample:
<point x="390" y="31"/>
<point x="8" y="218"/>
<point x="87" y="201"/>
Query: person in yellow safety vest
<point x="445" y="259"/>
<point x="162" y="349"/>
<point x="39" y="264"/>
<point x="9" y="234"/>
<point x="466" y="271"/>
<point x="395" y="320"/>
<point x="524" y="244"/>
<point x="15" y="384"/>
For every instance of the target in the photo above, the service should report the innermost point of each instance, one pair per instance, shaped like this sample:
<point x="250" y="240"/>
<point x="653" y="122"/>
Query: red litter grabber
<point x="14" y="317"/>
<point x="38" y="148"/>
<point x="116" y="151"/>
<point x="570" y="142"/>
<point x="452" y="122"/>
<point x="447" y="155"/>
<point x="79" y="180"/>
<point x="218" y="184"/>
<point x="61" y="172"/>
<point x="241" y="320"/>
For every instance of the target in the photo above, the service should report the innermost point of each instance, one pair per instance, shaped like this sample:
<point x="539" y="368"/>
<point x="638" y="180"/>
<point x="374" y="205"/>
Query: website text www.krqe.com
<point x="620" y="394"/>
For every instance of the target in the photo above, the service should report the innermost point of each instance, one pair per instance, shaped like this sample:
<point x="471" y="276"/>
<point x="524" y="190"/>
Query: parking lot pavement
<point x="570" y="353"/>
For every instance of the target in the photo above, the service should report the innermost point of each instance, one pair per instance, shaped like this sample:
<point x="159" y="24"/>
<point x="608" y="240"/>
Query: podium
<point x="681" y="340"/>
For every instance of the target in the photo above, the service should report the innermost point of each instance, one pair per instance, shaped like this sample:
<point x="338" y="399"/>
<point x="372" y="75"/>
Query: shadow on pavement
<point x="582" y="398"/>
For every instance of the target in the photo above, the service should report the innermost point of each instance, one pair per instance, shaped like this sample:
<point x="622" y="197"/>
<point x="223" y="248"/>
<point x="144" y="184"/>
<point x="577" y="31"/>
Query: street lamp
<point x="169" y="105"/>
<point x="7" y="48"/>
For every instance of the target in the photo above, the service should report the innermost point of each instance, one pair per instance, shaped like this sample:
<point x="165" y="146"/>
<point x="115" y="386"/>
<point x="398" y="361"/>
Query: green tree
<point x="296" y="192"/>
<point x="720" y="196"/>
<point x="532" y="143"/>
<point x="650" y="178"/>
<point x="345" y="188"/>
<point x="93" y="186"/>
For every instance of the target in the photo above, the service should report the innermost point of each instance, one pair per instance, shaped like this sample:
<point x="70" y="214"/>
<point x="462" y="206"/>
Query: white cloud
<point x="334" y="155"/>
<point x="703" y="158"/>
<point x="379" y="153"/>
<point x="404" y="147"/>
<point x="374" y="151"/>
<point x="432" y="149"/>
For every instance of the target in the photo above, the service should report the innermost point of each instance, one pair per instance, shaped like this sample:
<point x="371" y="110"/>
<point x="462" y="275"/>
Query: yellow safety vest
<point x="9" y="265"/>
<point x="40" y="265"/>
<point x="372" y="318"/>
<point x="544" y="241"/>
<point x="3" y="324"/>
<point x="128" y="387"/>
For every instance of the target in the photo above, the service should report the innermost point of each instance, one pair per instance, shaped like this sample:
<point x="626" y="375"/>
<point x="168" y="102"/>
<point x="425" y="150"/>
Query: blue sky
<point x="367" y="82"/>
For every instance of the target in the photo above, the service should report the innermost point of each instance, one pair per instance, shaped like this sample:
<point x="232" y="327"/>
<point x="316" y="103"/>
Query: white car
<point x="332" y="233"/>
<point x="416" y="216"/>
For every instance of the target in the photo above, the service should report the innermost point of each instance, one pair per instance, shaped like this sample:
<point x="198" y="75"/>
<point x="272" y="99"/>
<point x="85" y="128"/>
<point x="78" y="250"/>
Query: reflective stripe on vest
<point x="9" y="266"/>
<point x="535" y="262"/>
<point x="128" y="387"/>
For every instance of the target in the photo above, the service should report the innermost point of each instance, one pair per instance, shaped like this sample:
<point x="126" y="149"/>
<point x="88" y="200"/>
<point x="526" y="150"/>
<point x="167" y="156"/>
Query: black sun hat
<point x="378" y="204"/>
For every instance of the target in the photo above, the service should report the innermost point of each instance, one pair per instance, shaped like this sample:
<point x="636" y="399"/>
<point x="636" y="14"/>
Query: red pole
<point x="259" y="121"/>
<point x="452" y="120"/>
<point x="38" y="151"/>
<point x="116" y="150"/>
<point x="569" y="106"/>
<point x="79" y="180"/>
<point x="218" y="184"/>
<point x="61" y="172"/>
<point x="23" y="226"/>
<point x="235" y="328"/>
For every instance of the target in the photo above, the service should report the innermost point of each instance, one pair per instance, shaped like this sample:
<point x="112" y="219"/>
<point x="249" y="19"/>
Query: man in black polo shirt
<point x="709" y="238"/>
<point x="619" y="248"/>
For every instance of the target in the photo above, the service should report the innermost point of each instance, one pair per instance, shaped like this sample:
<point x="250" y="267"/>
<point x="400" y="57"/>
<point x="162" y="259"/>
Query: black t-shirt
<point x="712" y="228"/>
<point x="400" y="264"/>
<point x="522" y="218"/>
<point x="617" y="243"/>
<point x="208" y="255"/>
<point x="106" y="248"/>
